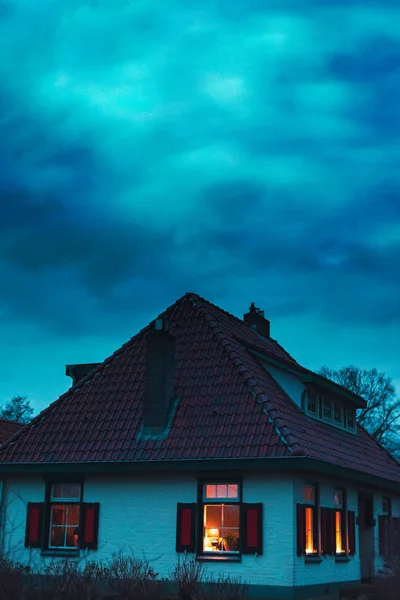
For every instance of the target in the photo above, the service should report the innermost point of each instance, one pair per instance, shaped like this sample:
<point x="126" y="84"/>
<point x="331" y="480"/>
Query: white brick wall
<point x="138" y="514"/>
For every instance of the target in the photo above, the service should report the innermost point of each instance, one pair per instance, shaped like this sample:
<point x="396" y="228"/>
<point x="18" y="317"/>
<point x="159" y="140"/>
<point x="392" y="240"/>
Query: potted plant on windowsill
<point x="231" y="541"/>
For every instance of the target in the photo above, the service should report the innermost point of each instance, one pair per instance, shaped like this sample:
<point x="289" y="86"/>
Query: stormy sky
<point x="241" y="149"/>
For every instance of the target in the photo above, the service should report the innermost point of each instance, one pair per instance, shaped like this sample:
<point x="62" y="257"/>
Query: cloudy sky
<point x="149" y="148"/>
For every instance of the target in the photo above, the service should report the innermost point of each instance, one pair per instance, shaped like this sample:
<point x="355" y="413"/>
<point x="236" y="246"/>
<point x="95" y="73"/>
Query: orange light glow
<point x="338" y="529"/>
<point x="309" y="531"/>
<point x="214" y="532"/>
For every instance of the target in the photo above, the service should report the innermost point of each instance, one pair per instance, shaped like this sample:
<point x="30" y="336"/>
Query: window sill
<point x="313" y="559"/>
<point x="61" y="553"/>
<point x="343" y="559"/>
<point x="219" y="557"/>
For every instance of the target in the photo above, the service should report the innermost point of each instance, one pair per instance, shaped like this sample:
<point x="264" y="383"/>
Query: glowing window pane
<point x="338" y="530"/>
<point x="233" y="491"/>
<point x="211" y="491"/>
<point x="309" y="531"/>
<point x="309" y="493"/>
<point x="222" y="490"/>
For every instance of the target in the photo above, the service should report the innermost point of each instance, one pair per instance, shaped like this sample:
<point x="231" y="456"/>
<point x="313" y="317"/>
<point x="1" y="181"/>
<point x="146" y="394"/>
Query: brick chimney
<point x="159" y="378"/>
<point x="255" y="318"/>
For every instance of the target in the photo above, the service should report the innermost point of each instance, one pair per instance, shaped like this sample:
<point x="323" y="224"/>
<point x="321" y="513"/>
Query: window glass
<point x="70" y="491"/>
<point x="221" y="519"/>
<point x="327" y="409"/>
<point x="337" y="413"/>
<point x="309" y="531"/>
<point x="351" y="418"/>
<point x="224" y="490"/>
<point x="338" y="532"/>
<point x="309" y="493"/>
<point x="64" y="524"/>
<point x="338" y="498"/>
<point x="312" y="405"/>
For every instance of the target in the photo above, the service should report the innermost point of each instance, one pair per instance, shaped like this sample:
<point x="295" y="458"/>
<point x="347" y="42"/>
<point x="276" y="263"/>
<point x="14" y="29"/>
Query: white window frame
<point x="220" y="501"/>
<point x="319" y="415"/>
<point x="65" y="502"/>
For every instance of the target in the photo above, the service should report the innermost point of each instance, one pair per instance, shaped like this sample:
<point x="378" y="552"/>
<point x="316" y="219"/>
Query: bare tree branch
<point x="381" y="417"/>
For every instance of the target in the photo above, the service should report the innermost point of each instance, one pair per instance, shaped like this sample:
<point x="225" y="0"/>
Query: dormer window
<point x="350" y="418"/>
<point x="329" y="409"/>
<point x="312" y="403"/>
<point x="327" y="412"/>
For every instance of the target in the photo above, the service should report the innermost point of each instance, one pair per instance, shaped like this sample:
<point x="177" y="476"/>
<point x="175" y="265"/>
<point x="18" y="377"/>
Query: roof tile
<point x="229" y="406"/>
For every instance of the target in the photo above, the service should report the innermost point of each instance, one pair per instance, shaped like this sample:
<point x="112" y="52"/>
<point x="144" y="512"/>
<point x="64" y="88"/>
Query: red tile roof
<point x="8" y="428"/>
<point x="229" y="406"/>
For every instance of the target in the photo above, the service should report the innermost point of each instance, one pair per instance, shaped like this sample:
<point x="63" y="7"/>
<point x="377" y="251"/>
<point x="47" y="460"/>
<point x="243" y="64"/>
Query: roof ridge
<point x="243" y="323"/>
<point x="74" y="388"/>
<point x="255" y="389"/>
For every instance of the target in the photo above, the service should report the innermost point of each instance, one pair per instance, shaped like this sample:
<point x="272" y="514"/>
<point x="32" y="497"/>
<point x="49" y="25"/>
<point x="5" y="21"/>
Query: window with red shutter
<point x="252" y="528"/>
<point x="308" y="525"/>
<point x="186" y="527"/>
<point x="34" y="525"/>
<point x="220" y="517"/>
<point x="89" y="525"/>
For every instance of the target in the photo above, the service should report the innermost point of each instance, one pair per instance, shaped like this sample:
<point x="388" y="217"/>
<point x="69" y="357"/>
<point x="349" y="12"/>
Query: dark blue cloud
<point x="231" y="148"/>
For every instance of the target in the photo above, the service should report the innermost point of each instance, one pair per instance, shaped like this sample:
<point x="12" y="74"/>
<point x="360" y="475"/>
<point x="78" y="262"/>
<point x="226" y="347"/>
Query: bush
<point x="11" y="574"/>
<point x="132" y="578"/>
<point x="226" y="588"/>
<point x="187" y="576"/>
<point x="387" y="583"/>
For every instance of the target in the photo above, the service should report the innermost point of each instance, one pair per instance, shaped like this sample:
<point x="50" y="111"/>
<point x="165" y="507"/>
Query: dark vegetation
<point x="119" y="578"/>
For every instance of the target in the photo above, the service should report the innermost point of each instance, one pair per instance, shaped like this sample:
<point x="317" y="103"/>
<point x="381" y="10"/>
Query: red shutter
<point x="301" y="529"/>
<point x="34" y="525"/>
<point x="186" y="527"/>
<point x="89" y="527"/>
<point x="252" y="528"/>
<point x="352" y="531"/>
<point x="327" y="531"/>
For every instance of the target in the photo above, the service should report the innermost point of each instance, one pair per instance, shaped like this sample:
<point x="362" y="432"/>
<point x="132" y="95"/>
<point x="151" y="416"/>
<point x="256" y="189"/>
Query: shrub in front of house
<point x="122" y="577"/>
<point x="387" y="583"/>
<point x="11" y="579"/>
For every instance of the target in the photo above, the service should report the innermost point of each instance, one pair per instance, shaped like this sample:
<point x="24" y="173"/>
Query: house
<point x="202" y="435"/>
<point x="8" y="428"/>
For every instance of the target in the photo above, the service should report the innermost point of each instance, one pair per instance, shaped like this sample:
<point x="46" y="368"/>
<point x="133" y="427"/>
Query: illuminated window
<point x="221" y="517"/>
<point x="64" y="515"/>
<point x="338" y="532"/>
<point x="309" y="531"/>
<point x="309" y="493"/>
<point x="310" y="514"/>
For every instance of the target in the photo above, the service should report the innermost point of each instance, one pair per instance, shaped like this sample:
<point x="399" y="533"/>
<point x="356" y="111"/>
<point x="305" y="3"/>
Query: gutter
<point x="284" y="464"/>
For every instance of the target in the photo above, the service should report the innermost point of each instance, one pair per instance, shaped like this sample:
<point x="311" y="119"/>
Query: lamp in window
<point x="213" y="534"/>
